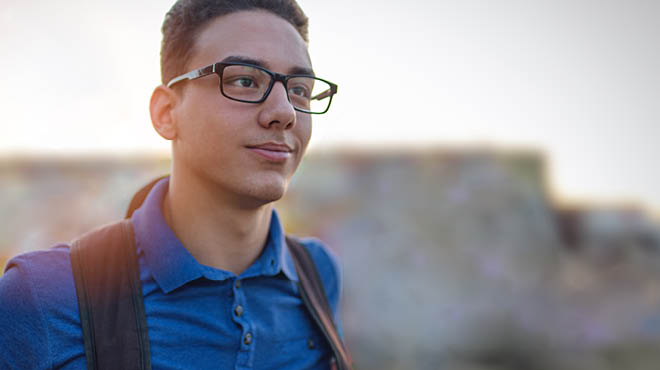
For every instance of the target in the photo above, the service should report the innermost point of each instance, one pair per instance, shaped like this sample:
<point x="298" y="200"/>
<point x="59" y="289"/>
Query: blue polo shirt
<point x="198" y="317"/>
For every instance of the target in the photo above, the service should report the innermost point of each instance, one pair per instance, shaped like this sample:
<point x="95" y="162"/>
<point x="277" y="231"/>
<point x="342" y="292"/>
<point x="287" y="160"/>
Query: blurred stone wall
<point x="452" y="259"/>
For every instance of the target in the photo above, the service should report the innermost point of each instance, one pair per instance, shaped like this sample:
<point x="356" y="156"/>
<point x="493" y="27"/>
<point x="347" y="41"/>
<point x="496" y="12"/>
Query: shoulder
<point x="36" y="290"/>
<point x="326" y="260"/>
<point x="328" y="267"/>
<point x="38" y="280"/>
<point x="39" y="270"/>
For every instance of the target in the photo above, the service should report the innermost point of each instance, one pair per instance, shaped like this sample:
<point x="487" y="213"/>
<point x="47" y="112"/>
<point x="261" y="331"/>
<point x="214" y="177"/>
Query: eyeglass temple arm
<point x="329" y="92"/>
<point x="193" y="74"/>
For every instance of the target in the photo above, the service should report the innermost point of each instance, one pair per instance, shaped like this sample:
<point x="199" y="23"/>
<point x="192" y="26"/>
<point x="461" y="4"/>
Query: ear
<point x="161" y="107"/>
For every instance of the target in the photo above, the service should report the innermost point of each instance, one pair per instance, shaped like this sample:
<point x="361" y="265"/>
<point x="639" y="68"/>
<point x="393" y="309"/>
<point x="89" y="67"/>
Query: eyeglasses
<point x="248" y="83"/>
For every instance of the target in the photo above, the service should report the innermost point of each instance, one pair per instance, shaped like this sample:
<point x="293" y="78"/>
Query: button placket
<point x="245" y="356"/>
<point x="238" y="310"/>
<point x="238" y="306"/>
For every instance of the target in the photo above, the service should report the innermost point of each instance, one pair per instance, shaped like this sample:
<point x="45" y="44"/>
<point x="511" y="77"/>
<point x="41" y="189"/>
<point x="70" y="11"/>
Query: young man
<point x="217" y="277"/>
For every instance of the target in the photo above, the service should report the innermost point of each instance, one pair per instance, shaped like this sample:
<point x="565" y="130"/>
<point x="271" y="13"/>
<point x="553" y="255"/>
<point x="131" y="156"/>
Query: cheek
<point x="305" y="131"/>
<point x="210" y="122"/>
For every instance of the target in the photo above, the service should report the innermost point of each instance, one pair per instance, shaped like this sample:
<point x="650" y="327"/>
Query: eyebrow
<point x="264" y="64"/>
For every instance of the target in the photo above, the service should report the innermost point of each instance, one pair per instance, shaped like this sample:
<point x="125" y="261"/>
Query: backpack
<point x="112" y="315"/>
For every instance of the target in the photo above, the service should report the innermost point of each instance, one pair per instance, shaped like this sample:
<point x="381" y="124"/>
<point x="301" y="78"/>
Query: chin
<point x="264" y="191"/>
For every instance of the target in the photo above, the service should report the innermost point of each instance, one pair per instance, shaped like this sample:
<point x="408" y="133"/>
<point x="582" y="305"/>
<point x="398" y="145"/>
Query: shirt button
<point x="247" y="339"/>
<point x="310" y="344"/>
<point x="238" y="284"/>
<point x="238" y="310"/>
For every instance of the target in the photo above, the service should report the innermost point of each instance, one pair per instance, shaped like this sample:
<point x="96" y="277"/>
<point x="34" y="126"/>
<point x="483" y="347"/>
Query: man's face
<point x="243" y="150"/>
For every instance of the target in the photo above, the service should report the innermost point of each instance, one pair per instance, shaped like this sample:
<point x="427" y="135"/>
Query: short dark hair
<point x="187" y="18"/>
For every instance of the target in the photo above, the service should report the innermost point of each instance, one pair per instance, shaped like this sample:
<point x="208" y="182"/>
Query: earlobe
<point x="161" y="108"/>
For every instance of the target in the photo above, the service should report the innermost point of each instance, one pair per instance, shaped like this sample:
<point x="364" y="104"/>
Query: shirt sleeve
<point x="23" y="334"/>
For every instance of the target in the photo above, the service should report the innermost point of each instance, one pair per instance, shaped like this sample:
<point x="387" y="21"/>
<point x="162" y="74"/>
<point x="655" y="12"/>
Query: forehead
<point x="254" y="34"/>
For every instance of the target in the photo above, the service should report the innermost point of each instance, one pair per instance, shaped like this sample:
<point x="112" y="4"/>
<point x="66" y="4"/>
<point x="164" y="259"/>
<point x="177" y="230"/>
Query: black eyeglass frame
<point x="218" y="68"/>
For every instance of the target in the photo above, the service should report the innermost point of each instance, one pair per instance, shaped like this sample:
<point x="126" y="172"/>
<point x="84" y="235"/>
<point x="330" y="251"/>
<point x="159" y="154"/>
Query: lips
<point x="274" y="152"/>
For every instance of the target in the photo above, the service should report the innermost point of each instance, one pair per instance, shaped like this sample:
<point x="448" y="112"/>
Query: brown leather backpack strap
<point x="140" y="196"/>
<point x="313" y="295"/>
<point x="113" y="320"/>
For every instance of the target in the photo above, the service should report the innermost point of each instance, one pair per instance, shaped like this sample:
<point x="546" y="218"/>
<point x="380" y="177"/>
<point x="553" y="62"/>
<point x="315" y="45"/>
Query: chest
<point x="257" y="323"/>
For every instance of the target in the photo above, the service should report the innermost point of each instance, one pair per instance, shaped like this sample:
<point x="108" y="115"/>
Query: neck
<point x="217" y="232"/>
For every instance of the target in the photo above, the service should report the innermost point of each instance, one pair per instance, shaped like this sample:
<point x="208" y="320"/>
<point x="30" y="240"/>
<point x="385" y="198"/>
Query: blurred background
<point x="486" y="173"/>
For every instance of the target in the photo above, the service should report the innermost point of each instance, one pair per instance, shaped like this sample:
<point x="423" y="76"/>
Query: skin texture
<point x="221" y="189"/>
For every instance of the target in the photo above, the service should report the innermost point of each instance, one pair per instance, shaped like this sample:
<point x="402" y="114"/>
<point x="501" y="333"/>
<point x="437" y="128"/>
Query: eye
<point x="244" y="81"/>
<point x="300" y="90"/>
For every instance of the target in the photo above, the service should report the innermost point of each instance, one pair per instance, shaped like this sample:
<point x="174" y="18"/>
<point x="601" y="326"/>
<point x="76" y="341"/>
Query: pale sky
<point x="576" y="79"/>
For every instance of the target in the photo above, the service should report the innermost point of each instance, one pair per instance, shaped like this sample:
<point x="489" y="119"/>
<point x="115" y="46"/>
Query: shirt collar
<point x="275" y="257"/>
<point x="172" y="266"/>
<point x="276" y="238"/>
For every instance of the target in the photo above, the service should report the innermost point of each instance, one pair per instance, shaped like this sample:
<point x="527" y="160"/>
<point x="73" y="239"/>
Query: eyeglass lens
<point x="251" y="84"/>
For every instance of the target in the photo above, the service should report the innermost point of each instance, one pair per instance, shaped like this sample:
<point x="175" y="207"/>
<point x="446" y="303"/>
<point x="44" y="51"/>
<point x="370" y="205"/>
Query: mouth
<point x="273" y="152"/>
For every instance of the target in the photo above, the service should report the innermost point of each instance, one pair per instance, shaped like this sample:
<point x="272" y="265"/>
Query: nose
<point x="277" y="110"/>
